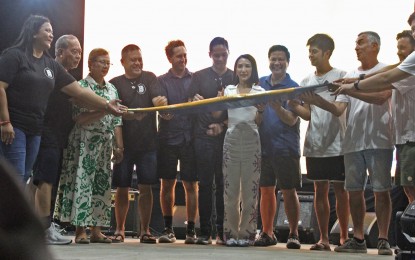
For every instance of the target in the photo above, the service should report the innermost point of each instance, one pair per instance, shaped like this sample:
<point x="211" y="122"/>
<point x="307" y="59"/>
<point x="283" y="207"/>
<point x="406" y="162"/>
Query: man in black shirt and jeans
<point x="209" y="135"/>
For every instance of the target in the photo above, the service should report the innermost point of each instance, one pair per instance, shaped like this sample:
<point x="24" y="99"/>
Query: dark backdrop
<point x="67" y="17"/>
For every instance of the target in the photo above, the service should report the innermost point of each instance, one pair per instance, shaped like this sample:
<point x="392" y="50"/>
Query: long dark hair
<point x="30" y="27"/>
<point x="254" y="79"/>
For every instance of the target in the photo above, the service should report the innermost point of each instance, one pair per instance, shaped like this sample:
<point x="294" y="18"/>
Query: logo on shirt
<point x="140" y="88"/>
<point x="48" y="73"/>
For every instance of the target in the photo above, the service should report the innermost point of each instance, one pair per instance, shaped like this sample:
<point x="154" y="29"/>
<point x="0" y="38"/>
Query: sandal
<point x="320" y="247"/>
<point x="104" y="240"/>
<point x="82" y="240"/>
<point x="117" y="238"/>
<point x="148" y="238"/>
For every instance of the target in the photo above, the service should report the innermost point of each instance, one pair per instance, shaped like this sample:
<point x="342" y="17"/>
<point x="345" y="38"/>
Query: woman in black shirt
<point x="27" y="77"/>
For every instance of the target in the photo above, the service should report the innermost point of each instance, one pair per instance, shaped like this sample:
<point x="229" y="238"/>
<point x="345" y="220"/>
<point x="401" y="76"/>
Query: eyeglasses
<point x="103" y="62"/>
<point x="76" y="52"/>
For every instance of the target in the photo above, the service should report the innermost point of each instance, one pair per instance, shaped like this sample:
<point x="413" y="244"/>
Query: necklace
<point x="133" y="83"/>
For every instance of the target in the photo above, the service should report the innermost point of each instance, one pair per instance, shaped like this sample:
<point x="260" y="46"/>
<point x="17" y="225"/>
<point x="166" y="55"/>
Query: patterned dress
<point x="84" y="195"/>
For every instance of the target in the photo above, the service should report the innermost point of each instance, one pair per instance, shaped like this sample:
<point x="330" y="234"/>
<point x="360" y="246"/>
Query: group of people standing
<point x="241" y="154"/>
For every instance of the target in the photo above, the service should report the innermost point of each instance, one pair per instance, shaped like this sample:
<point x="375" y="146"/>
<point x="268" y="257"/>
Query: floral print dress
<point x="84" y="195"/>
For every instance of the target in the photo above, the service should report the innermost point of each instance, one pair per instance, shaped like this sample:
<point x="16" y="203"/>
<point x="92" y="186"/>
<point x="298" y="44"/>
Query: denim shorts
<point x="378" y="162"/>
<point x="145" y="165"/>
<point x="405" y="168"/>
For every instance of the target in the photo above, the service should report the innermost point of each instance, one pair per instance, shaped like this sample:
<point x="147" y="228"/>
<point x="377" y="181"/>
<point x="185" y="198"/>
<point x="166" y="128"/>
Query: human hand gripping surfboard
<point x="235" y="101"/>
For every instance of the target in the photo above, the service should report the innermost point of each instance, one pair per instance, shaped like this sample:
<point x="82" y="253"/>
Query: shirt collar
<point x="92" y="81"/>
<point x="286" y="82"/>
<point x="186" y="74"/>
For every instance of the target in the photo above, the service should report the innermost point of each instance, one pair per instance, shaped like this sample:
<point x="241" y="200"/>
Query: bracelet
<point x="107" y="103"/>
<point x="362" y="76"/>
<point x="356" y="85"/>
<point x="119" y="149"/>
<point x="4" y="122"/>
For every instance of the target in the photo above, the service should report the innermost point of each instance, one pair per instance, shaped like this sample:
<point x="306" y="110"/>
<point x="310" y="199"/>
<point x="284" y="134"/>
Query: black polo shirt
<point x="179" y="129"/>
<point x="138" y="135"/>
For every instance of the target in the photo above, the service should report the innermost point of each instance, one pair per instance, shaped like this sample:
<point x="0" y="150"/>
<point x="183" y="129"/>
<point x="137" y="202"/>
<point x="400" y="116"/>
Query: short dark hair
<point x="279" y="48"/>
<point x="322" y="41"/>
<point x="171" y="45"/>
<point x="218" y="41"/>
<point x="254" y="79"/>
<point x="406" y="34"/>
<point x="128" y="48"/>
<point x="411" y="18"/>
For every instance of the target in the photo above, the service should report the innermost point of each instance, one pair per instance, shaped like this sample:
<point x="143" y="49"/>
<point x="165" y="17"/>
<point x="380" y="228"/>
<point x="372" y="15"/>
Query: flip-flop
<point x="320" y="247"/>
<point x="148" y="238"/>
<point x="117" y="238"/>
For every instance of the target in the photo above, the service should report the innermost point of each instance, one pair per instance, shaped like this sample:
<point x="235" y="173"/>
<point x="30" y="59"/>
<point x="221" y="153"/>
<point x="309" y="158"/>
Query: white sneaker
<point x="243" y="242"/>
<point x="59" y="229"/>
<point x="231" y="242"/>
<point x="53" y="237"/>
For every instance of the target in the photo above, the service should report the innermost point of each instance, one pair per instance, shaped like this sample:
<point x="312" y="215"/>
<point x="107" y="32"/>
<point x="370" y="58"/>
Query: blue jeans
<point x="209" y="168"/>
<point x="22" y="153"/>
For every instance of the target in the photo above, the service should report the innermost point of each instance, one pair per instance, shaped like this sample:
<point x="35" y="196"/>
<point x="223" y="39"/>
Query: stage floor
<point x="132" y="249"/>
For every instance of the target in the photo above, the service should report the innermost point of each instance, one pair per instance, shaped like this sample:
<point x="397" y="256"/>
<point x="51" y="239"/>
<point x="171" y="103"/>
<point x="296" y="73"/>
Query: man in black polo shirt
<point x="209" y="135"/>
<point x="139" y="136"/>
<point x="176" y="144"/>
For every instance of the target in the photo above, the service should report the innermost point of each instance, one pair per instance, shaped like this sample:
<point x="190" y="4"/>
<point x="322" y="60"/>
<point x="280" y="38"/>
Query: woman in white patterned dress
<point x="84" y="197"/>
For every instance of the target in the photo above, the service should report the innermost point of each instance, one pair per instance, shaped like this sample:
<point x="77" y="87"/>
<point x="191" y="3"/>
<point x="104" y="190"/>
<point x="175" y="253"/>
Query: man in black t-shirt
<point x="209" y="135"/>
<point x="57" y="125"/>
<point x="139" y="136"/>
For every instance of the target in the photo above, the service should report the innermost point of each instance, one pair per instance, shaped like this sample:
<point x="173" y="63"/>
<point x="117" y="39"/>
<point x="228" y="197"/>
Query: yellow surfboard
<point x="234" y="101"/>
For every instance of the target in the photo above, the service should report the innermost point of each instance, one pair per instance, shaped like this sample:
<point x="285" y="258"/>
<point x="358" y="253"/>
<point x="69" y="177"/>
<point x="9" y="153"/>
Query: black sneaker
<point x="204" y="240"/>
<point x="293" y="242"/>
<point x="167" y="236"/>
<point x="352" y="246"/>
<point x="384" y="248"/>
<point x="190" y="237"/>
<point x="265" y="240"/>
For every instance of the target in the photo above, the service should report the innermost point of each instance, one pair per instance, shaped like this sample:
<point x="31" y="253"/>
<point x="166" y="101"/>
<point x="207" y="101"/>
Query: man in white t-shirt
<point x="323" y="141"/>
<point x="403" y="107"/>
<point x="367" y="146"/>
<point x="402" y="79"/>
